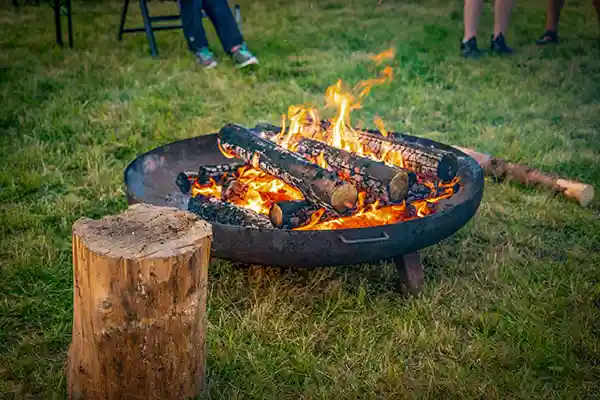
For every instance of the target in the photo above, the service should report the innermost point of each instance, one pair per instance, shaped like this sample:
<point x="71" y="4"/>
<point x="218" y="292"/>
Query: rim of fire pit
<point x="150" y="178"/>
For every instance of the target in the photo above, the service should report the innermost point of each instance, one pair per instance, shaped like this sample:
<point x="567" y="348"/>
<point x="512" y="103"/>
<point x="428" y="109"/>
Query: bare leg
<point x="472" y="13"/>
<point x="502" y="11"/>
<point x="553" y="14"/>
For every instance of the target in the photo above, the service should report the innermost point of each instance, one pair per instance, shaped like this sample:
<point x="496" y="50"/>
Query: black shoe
<point x="469" y="48"/>
<point x="499" y="46"/>
<point x="548" y="37"/>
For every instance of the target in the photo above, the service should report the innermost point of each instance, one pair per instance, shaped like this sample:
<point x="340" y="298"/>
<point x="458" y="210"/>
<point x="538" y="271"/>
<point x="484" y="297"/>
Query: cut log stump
<point x="411" y="273"/>
<point x="139" y="304"/>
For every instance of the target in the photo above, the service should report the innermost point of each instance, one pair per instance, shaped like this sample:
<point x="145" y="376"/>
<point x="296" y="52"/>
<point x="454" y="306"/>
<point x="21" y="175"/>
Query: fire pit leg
<point x="411" y="273"/>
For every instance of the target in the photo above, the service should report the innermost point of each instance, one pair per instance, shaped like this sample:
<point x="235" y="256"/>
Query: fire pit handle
<point x="381" y="238"/>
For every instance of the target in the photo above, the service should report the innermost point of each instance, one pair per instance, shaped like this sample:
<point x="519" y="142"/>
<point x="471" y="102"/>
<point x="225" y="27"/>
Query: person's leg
<point x="233" y="43"/>
<point x="193" y="30"/>
<point x="191" y="20"/>
<point x="597" y="7"/>
<point x="472" y="13"/>
<point x="553" y="9"/>
<point x="222" y="18"/>
<point x="502" y="10"/>
<point x="553" y="14"/>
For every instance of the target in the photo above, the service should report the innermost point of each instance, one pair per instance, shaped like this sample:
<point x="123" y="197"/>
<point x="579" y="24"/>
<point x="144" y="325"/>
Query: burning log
<point x="380" y="181"/>
<point x="293" y="213"/>
<point x="235" y="190"/>
<point x="416" y="157"/>
<point x="502" y="170"/>
<point x="138" y="305"/>
<point x="218" y="172"/>
<point x="217" y="211"/>
<point x="319" y="186"/>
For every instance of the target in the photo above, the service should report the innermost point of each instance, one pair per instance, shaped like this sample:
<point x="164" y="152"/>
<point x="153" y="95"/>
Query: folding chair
<point x="149" y="28"/>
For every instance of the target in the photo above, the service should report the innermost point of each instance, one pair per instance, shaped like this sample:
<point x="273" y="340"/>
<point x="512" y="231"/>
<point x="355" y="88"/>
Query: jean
<point x="219" y="13"/>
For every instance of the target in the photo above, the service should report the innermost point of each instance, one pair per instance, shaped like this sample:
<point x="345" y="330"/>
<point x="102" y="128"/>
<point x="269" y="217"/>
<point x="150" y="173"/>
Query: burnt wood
<point x="417" y="157"/>
<point x="386" y="183"/>
<point x="214" y="210"/>
<point x="185" y="180"/>
<point x="294" y="213"/>
<point x="217" y="172"/>
<point x="297" y="248"/>
<point x="319" y="186"/>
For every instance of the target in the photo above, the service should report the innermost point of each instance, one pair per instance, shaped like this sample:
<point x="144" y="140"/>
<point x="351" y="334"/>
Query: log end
<point x="143" y="230"/>
<point x="399" y="186"/>
<point x="276" y="216"/>
<point x="581" y="192"/>
<point x="447" y="167"/>
<point x="344" y="198"/>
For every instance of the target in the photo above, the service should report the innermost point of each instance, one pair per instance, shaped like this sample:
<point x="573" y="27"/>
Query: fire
<point x="304" y="121"/>
<point x="262" y="190"/>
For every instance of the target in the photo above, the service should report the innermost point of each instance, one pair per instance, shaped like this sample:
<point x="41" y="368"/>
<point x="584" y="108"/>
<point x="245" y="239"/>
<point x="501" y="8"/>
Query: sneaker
<point x="499" y="46"/>
<point x="206" y="58"/>
<point x="469" y="48"/>
<point x="548" y="37"/>
<point x="242" y="57"/>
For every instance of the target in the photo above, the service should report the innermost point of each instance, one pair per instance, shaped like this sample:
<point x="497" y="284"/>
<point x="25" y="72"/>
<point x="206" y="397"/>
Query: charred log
<point x="379" y="181"/>
<point x="235" y="190"/>
<point x="319" y="186"/>
<point x="214" y="210"/>
<point x="416" y="157"/>
<point x="293" y="213"/>
<point x="185" y="181"/>
<point x="218" y="172"/>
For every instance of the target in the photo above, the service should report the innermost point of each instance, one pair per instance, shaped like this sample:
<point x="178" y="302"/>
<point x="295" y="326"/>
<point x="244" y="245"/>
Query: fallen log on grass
<point x="500" y="169"/>
<point x="386" y="183"/>
<point x="319" y="186"/>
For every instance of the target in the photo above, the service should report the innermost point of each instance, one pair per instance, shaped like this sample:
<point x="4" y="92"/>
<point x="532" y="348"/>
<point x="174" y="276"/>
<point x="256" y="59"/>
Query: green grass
<point x="511" y="303"/>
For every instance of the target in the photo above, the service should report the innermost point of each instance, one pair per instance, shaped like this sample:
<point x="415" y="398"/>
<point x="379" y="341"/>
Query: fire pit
<point x="151" y="178"/>
<point x="315" y="192"/>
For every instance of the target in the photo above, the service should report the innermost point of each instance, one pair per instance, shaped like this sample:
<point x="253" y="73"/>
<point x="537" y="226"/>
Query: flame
<point x="384" y="55"/>
<point x="304" y="121"/>
<point x="380" y="125"/>
<point x="321" y="162"/>
<point x="263" y="190"/>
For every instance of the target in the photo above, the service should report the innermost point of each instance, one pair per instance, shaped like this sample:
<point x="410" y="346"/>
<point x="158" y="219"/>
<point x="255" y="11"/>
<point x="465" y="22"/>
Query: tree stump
<point x="139" y="302"/>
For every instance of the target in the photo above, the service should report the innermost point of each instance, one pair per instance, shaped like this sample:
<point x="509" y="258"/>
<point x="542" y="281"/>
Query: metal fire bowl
<point x="150" y="178"/>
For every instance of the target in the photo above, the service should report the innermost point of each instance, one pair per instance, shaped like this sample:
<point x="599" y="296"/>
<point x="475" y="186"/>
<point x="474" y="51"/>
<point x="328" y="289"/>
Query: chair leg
<point x="148" y="27"/>
<point x="122" y="23"/>
<point x="57" y="23"/>
<point x="70" y="21"/>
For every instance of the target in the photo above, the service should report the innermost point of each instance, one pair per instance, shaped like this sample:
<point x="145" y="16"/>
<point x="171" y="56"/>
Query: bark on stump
<point x="139" y="304"/>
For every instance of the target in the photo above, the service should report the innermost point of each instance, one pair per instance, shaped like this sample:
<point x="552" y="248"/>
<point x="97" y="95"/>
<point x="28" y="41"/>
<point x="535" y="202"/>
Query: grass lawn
<point x="511" y="303"/>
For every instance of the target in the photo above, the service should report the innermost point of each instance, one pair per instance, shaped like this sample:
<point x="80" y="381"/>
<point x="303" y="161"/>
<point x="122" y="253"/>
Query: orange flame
<point x="303" y="121"/>
<point x="383" y="56"/>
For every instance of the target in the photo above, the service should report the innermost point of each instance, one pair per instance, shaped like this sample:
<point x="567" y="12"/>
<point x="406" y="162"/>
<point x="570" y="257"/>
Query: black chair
<point x="149" y="28"/>
<point x="61" y="7"/>
<point x="58" y="7"/>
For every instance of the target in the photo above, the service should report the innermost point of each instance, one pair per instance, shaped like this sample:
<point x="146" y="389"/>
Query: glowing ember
<point x="303" y="121"/>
